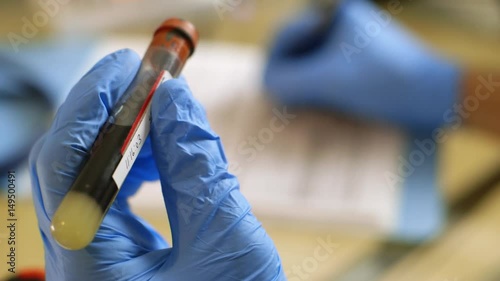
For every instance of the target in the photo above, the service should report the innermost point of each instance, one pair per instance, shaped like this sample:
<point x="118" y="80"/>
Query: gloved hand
<point x="215" y="235"/>
<point x="364" y="64"/>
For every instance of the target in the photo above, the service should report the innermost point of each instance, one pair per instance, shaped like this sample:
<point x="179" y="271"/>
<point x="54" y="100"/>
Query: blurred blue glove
<point x="215" y="235"/>
<point x="24" y="110"/>
<point x="361" y="63"/>
<point x="33" y="82"/>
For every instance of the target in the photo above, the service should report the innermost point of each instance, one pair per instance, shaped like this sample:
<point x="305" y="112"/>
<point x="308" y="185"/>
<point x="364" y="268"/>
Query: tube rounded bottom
<point x="76" y="221"/>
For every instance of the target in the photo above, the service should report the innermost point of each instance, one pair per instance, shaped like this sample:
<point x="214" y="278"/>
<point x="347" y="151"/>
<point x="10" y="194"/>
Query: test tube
<point x="119" y="141"/>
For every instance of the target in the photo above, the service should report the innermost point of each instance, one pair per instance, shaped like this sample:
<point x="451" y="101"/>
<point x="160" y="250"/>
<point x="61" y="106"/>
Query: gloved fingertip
<point x="126" y="54"/>
<point x="181" y="135"/>
<point x="122" y="56"/>
<point x="107" y="80"/>
<point x="174" y="100"/>
<point x="176" y="85"/>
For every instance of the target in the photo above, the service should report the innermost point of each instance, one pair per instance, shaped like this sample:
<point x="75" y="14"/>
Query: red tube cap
<point x="183" y="26"/>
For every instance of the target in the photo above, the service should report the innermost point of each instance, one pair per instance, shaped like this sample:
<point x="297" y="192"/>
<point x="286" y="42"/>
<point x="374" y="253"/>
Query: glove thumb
<point x="209" y="218"/>
<point x="190" y="159"/>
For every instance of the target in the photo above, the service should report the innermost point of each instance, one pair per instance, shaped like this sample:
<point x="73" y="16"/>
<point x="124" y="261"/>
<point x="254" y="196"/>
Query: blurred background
<point x="446" y="231"/>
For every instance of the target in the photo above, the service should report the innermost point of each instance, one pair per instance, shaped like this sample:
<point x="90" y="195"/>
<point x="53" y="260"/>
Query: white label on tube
<point x="137" y="136"/>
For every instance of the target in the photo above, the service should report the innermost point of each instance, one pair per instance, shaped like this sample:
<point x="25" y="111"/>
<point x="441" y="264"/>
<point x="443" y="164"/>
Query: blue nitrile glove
<point x="383" y="73"/>
<point x="215" y="235"/>
<point x="33" y="82"/>
<point x="24" y="112"/>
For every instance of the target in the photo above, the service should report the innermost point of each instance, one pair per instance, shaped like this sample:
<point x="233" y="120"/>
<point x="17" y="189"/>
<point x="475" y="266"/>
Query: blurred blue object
<point x="422" y="211"/>
<point x="362" y="63"/>
<point x="357" y="60"/>
<point x="215" y="234"/>
<point x="24" y="111"/>
<point x="33" y="82"/>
